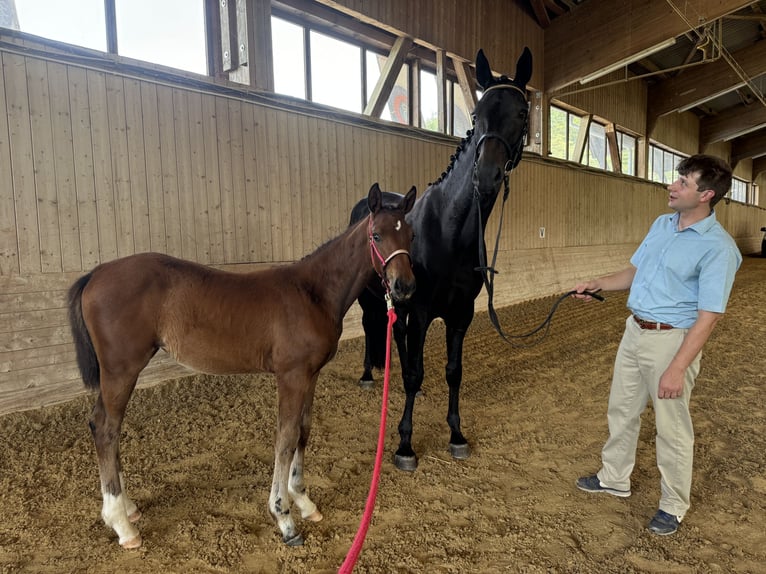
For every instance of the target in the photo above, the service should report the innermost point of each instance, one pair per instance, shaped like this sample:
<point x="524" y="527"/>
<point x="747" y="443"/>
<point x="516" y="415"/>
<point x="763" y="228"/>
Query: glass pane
<point x="597" y="145"/>
<point x="170" y="33"/>
<point x="558" y="133"/>
<point x="288" y="52"/>
<point x="628" y="154"/>
<point x="81" y="23"/>
<point x="429" y="107"/>
<point x="669" y="167"/>
<point x="655" y="157"/>
<point x="336" y="73"/>
<point x="462" y="114"/>
<point x="398" y="107"/>
<point x="574" y="128"/>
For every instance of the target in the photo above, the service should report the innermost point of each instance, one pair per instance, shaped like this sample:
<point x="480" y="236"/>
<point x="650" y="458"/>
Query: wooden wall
<point x="97" y="163"/>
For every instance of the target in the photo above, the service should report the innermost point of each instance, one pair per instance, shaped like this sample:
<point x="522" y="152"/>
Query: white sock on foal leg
<point x="115" y="516"/>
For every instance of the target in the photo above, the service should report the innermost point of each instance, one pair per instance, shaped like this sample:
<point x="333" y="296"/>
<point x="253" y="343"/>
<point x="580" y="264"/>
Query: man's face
<point x="684" y="194"/>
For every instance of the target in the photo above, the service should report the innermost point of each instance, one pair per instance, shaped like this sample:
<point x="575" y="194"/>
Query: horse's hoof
<point x="135" y="517"/>
<point x="406" y="463"/>
<point x="315" y="516"/>
<point x="366" y="383"/>
<point x="296" y="540"/>
<point x="460" y="451"/>
<point x="133" y="543"/>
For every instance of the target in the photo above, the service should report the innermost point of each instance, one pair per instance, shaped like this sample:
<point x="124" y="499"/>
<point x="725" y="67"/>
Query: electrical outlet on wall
<point x="542" y="233"/>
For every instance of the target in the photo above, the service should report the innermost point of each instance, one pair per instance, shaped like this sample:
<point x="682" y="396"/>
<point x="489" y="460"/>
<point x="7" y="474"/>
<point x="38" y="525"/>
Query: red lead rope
<point x="356" y="547"/>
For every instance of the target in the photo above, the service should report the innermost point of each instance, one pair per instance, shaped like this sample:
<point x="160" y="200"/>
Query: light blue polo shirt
<point x="680" y="272"/>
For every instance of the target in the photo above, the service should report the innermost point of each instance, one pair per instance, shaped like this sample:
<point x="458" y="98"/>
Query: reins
<point x="487" y="270"/>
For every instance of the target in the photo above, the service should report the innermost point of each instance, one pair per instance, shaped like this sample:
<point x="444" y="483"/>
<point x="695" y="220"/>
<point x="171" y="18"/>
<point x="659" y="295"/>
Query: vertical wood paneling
<point x="63" y="164"/>
<point x="153" y="167"/>
<point x="279" y="150"/>
<point x="43" y="160"/>
<point x="238" y="221"/>
<point x="226" y="179"/>
<point x="9" y="254"/>
<point x="119" y="159"/>
<point x="22" y="167"/>
<point x="136" y="185"/>
<point x="295" y="184"/>
<point x="201" y="230"/>
<point x="212" y="182"/>
<point x="171" y="207"/>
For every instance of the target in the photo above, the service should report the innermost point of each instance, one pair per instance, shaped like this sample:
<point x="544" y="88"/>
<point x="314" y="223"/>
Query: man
<point x="680" y="279"/>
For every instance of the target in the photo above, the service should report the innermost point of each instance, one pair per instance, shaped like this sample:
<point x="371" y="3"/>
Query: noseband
<point x="383" y="261"/>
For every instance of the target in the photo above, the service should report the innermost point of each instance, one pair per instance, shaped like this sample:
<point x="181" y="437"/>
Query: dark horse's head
<point x="500" y="122"/>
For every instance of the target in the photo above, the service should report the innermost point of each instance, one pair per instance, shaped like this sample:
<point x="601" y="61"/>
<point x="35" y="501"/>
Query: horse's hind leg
<point x="296" y="486"/>
<point x="117" y="511"/>
<point x="458" y="445"/>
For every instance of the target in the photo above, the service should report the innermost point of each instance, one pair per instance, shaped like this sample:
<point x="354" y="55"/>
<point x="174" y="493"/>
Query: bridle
<point x="375" y="254"/>
<point x="514" y="152"/>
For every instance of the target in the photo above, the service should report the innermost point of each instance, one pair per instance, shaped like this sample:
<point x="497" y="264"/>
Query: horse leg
<point x="458" y="446"/>
<point x="117" y="511"/>
<point x="291" y="392"/>
<point x="374" y="323"/>
<point x="296" y="487"/>
<point x="411" y="357"/>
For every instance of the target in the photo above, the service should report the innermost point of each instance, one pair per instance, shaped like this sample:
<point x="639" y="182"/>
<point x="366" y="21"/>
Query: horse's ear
<point x="409" y="200"/>
<point x="523" y="68"/>
<point x="483" y="72"/>
<point x="375" y="198"/>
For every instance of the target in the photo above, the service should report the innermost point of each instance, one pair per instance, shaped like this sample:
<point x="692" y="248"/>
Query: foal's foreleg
<point x="292" y="391"/>
<point x="296" y="485"/>
<point x="117" y="511"/>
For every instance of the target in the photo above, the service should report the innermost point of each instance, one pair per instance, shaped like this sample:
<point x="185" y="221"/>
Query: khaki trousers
<point x="641" y="359"/>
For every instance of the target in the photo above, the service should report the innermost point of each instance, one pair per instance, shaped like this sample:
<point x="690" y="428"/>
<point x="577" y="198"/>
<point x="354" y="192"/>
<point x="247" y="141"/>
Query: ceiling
<point x="707" y="57"/>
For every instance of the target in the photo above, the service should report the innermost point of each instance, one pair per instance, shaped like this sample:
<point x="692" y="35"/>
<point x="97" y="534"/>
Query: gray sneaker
<point x="593" y="484"/>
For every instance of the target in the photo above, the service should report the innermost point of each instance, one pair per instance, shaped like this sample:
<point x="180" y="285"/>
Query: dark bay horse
<point x="285" y="320"/>
<point x="449" y="221"/>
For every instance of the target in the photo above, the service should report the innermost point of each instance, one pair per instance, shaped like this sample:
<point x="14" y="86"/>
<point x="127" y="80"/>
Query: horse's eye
<point x="376" y="237"/>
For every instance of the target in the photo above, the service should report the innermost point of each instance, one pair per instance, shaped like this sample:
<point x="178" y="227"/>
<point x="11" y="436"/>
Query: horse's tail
<point x="87" y="360"/>
<point x="375" y="324"/>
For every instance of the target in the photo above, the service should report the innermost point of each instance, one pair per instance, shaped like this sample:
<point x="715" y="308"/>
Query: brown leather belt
<point x="652" y="325"/>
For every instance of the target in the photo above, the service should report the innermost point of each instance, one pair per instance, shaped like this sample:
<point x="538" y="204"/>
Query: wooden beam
<point x="541" y="14"/>
<point x="467" y="82"/>
<point x="705" y="82"/>
<point x="441" y="89"/>
<point x="598" y="34"/>
<point x="614" y="149"/>
<point x="388" y="76"/>
<point x="732" y="123"/>
<point x="582" y="137"/>
<point x="751" y="145"/>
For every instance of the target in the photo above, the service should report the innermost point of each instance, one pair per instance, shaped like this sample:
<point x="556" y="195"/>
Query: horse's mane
<point x="467" y="138"/>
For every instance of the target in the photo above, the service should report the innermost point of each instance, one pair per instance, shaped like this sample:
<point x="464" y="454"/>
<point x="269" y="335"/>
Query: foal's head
<point x="390" y="239"/>
<point x="500" y="121"/>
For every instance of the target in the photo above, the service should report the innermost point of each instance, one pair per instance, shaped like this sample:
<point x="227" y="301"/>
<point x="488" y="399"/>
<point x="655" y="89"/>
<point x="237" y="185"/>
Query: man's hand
<point x="671" y="384"/>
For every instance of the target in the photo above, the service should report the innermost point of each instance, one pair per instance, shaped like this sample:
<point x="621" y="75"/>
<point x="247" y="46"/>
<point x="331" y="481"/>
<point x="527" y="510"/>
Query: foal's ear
<point x="375" y="198"/>
<point x="483" y="72"/>
<point x="409" y="200"/>
<point x="523" y="68"/>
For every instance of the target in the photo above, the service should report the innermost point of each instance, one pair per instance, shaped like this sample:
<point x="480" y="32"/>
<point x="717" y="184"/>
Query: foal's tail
<point x="87" y="360"/>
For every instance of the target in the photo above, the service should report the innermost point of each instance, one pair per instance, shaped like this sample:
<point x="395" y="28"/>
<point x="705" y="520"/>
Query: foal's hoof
<point x="460" y="451"/>
<point x="296" y="540"/>
<point x="133" y="543"/>
<point x="315" y="516"/>
<point x="406" y="463"/>
<point x="135" y="517"/>
<point x="366" y="383"/>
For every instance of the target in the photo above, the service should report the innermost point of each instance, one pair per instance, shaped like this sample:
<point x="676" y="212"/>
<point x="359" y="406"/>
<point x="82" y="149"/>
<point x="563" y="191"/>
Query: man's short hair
<point x="712" y="173"/>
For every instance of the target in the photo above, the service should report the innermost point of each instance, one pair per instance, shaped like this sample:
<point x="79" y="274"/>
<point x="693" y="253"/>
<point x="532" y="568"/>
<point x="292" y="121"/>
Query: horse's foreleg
<point x="458" y="445"/>
<point x="296" y="485"/>
<point x="117" y="511"/>
<point x="411" y="358"/>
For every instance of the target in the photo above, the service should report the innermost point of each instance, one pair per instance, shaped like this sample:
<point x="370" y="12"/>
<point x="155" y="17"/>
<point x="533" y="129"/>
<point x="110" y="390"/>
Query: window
<point x="336" y="73"/>
<point x="289" y="58"/>
<point x="662" y="164"/>
<point x="173" y="36"/>
<point x="738" y="190"/>
<point x="564" y="129"/>
<point x="398" y="107"/>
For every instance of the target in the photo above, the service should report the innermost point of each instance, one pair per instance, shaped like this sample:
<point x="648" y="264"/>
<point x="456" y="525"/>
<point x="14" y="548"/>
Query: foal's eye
<point x="376" y="237"/>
